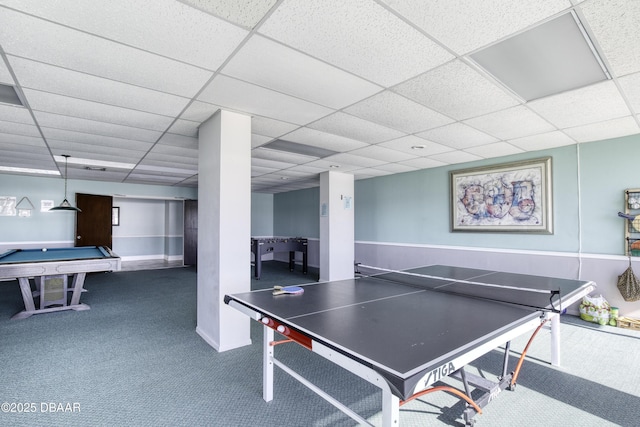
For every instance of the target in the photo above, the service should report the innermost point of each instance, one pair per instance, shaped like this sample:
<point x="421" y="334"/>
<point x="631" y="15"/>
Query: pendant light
<point x="65" y="205"/>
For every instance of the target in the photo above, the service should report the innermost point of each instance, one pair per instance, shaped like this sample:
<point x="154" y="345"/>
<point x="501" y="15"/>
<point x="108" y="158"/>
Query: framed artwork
<point x="509" y="197"/>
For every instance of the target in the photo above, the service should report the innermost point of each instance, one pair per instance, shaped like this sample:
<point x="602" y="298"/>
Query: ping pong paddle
<point x="291" y="290"/>
<point x="634" y="219"/>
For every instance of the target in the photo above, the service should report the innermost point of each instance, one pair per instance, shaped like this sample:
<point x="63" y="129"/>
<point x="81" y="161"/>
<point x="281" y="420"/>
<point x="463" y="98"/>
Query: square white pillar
<point x="337" y="230"/>
<point x="224" y="227"/>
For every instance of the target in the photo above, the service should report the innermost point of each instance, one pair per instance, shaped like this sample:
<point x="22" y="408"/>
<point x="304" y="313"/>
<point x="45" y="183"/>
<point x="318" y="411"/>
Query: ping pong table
<point x="405" y="331"/>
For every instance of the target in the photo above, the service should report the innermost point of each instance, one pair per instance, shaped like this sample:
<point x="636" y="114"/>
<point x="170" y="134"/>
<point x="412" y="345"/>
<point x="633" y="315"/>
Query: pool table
<point x="51" y="268"/>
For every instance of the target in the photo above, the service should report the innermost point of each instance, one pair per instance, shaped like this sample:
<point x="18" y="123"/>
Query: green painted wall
<point x="261" y="214"/>
<point x="414" y="207"/>
<point x="59" y="226"/>
<point x="297" y="213"/>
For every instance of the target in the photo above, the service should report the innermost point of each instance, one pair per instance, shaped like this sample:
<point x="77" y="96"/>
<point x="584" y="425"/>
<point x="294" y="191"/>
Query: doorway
<point x="93" y="224"/>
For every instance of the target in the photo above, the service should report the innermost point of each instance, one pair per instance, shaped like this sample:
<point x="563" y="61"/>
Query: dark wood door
<point x="93" y="224"/>
<point x="190" y="250"/>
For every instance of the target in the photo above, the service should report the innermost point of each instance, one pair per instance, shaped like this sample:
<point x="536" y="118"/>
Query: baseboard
<point x="216" y="346"/>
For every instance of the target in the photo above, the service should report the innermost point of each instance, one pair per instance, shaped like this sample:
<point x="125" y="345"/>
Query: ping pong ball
<point x="44" y="249"/>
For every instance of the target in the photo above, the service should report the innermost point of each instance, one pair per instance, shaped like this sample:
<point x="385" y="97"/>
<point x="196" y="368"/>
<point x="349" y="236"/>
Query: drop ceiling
<point x="366" y="87"/>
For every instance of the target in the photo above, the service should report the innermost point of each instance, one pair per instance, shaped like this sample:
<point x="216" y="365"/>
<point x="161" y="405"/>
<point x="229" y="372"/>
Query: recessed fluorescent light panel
<point x="8" y="95"/>
<point x="294" y="147"/>
<point x="11" y="169"/>
<point x="551" y="58"/>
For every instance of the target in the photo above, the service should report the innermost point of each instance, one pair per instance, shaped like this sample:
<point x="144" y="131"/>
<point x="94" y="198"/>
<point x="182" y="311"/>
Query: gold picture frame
<point x="509" y="197"/>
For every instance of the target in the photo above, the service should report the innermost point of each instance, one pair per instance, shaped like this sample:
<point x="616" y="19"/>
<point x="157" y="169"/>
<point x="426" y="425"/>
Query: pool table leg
<point x="27" y="296"/>
<point x="77" y="284"/>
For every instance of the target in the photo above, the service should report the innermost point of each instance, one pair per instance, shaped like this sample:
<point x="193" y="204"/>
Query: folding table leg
<point x="267" y="364"/>
<point x="555" y="339"/>
<point x="390" y="409"/>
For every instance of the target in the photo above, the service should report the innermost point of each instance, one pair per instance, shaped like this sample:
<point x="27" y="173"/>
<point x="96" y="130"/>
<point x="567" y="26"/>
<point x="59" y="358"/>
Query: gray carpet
<point x="134" y="359"/>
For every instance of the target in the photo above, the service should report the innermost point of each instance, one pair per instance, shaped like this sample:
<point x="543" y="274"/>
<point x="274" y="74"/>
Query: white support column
<point x="337" y="230"/>
<point x="224" y="227"/>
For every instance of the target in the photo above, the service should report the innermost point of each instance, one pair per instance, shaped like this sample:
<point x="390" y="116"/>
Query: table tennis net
<point x="479" y="287"/>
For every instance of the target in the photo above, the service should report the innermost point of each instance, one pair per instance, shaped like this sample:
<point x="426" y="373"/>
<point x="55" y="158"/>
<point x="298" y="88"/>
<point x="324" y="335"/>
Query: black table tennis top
<point x="404" y="330"/>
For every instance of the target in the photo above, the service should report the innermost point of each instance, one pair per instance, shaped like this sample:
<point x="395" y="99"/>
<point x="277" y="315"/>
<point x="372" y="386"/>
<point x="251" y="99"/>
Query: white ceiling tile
<point x="497" y="149"/>
<point x="169" y="163"/>
<point x="293" y="173"/>
<point x="185" y="127"/>
<point x="21" y="140"/>
<point x="316" y="138"/>
<point x="267" y="163"/>
<point x="36" y="157"/>
<point x="58" y="104"/>
<point x="423" y="163"/>
<point x="76" y="162"/>
<point x="500" y="123"/>
<point x="370" y="173"/>
<point x="258" y="140"/>
<point x="40" y="156"/>
<point x="16" y="148"/>
<point x="453" y="157"/>
<point x="36" y="75"/>
<point x="199" y="111"/>
<point x="416" y="146"/>
<point x="273" y="178"/>
<point x="180" y="141"/>
<point x="281" y="156"/>
<point x="79" y="152"/>
<point x="355" y="128"/>
<point x="310" y="170"/>
<point x="19" y="128"/>
<point x="16" y="114"/>
<point x="604" y="130"/>
<point x="270" y="127"/>
<point x="397" y="167"/>
<point x="131" y="152"/>
<point x="361" y="176"/>
<point x="169" y="28"/>
<point x="165" y="168"/>
<point x="457" y="90"/>
<point x="470" y="24"/>
<point x="24" y="161"/>
<point x="542" y="141"/>
<point x="139" y="178"/>
<point x="243" y="12"/>
<point x="260" y="170"/>
<point x="384" y="154"/>
<point x="95" y="142"/>
<point x="170" y="153"/>
<point x="346" y="159"/>
<point x="49" y="122"/>
<point x="615" y="25"/>
<point x="397" y="112"/>
<point x="97" y="175"/>
<point x="359" y="36"/>
<point x="31" y="37"/>
<point x="5" y="75"/>
<point x="327" y="164"/>
<point x="591" y="104"/>
<point x="272" y="65"/>
<point x="457" y="135"/>
<point x="108" y="82"/>
<point x="253" y="99"/>
<point x="631" y="86"/>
